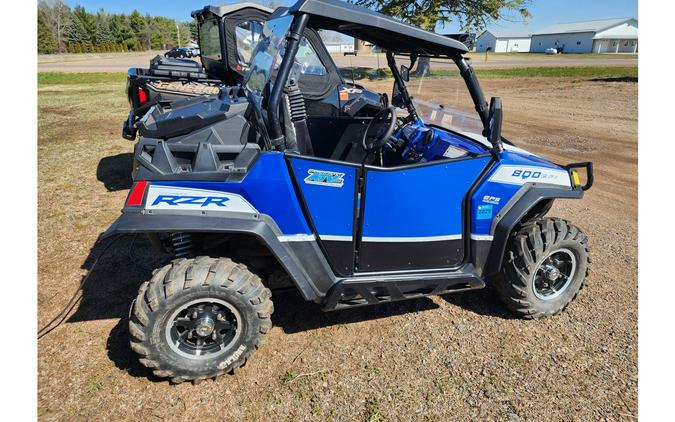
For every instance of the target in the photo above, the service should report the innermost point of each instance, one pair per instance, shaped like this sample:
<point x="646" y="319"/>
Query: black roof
<point x="221" y="11"/>
<point x="381" y="30"/>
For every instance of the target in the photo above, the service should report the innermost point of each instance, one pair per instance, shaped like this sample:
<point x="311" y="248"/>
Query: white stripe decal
<point x="412" y="239"/>
<point x="333" y="237"/>
<point x="481" y="237"/>
<point x="296" y="238"/>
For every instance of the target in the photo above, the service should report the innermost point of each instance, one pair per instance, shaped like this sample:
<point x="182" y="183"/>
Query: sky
<point x="544" y="12"/>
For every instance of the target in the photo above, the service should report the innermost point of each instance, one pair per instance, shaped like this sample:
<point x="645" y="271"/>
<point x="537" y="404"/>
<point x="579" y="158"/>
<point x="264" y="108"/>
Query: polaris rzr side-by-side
<point x="415" y="199"/>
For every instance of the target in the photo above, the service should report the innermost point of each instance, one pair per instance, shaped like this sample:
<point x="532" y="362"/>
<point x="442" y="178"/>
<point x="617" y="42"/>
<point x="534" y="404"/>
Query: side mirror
<point x="495" y="135"/>
<point x="405" y="73"/>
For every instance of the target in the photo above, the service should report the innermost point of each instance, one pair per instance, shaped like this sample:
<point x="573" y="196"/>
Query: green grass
<point x="586" y="72"/>
<point x="560" y="72"/>
<point x="63" y="78"/>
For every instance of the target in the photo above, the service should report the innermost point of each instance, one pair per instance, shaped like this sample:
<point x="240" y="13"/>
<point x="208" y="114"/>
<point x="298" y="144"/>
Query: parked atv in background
<point x="225" y="64"/>
<point x="264" y="178"/>
<point x="178" y="52"/>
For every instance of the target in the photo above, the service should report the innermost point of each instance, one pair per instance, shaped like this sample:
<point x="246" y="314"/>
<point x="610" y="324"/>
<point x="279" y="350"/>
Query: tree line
<point x="65" y="30"/>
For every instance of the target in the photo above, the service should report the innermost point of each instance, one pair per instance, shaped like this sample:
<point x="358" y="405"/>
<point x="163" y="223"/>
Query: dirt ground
<point x="458" y="357"/>
<point x="120" y="62"/>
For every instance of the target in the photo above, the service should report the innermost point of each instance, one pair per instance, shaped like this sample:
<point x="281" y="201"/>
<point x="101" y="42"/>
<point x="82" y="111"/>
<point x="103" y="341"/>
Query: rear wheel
<point x="199" y="318"/>
<point x="545" y="266"/>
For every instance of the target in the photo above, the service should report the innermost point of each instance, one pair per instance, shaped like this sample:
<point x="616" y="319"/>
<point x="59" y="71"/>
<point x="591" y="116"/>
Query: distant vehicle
<point x="551" y="51"/>
<point x="179" y="52"/>
<point x="350" y="53"/>
<point x="194" y="51"/>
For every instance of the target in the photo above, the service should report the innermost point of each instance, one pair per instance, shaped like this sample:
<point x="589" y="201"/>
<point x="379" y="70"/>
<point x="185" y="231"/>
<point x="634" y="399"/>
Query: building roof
<point x="586" y="26"/>
<point x="509" y="32"/>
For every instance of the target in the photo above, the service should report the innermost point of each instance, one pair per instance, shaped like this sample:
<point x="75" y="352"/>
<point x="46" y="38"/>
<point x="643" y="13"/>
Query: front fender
<point x="522" y="202"/>
<point x="299" y="255"/>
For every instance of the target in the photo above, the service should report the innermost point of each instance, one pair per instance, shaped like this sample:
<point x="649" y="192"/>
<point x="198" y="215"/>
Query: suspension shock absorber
<point x="182" y="244"/>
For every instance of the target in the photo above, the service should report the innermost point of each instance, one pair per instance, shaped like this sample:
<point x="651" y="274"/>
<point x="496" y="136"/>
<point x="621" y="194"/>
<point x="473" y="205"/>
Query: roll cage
<point x="394" y="36"/>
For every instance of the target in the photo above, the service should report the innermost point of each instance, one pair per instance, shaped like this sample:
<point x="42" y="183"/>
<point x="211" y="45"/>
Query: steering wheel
<point x="379" y="130"/>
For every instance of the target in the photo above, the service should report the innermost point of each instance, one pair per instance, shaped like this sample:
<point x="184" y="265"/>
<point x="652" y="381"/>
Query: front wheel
<point x="199" y="318"/>
<point x="545" y="266"/>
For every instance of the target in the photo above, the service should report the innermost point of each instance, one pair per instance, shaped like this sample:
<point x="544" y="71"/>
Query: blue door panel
<point x="329" y="192"/>
<point x="418" y="202"/>
<point x="413" y="217"/>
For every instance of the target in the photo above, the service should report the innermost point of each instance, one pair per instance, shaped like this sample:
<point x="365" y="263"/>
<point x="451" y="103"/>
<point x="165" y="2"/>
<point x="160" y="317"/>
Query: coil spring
<point x="296" y="102"/>
<point x="182" y="244"/>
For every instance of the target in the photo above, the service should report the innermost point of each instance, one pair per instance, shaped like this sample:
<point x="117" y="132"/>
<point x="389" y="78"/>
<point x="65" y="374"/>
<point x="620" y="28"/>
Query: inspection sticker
<point x="454" y="152"/>
<point x="484" y="212"/>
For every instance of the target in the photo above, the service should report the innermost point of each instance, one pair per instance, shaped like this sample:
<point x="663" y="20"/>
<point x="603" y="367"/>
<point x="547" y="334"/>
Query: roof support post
<point x="292" y="43"/>
<point x="477" y="96"/>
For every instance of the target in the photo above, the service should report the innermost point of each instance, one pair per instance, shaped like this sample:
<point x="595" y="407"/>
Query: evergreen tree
<point x="103" y="34"/>
<point x="75" y="33"/>
<point x="46" y="42"/>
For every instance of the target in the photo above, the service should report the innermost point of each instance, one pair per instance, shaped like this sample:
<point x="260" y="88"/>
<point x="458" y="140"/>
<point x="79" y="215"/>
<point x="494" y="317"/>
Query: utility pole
<point x="178" y="31"/>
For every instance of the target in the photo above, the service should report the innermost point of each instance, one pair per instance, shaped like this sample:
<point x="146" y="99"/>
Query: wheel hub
<point x="203" y="328"/>
<point x="551" y="272"/>
<point x="554" y="274"/>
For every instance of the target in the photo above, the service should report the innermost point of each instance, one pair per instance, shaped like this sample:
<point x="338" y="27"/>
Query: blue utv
<point x="352" y="210"/>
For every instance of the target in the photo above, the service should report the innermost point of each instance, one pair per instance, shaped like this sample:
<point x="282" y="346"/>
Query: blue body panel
<point x="419" y="202"/>
<point x="268" y="187"/>
<point x="330" y="202"/>
<point x="491" y="197"/>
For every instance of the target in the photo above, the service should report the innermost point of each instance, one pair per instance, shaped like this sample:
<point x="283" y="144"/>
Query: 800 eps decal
<point x="519" y="175"/>
<point x="180" y="198"/>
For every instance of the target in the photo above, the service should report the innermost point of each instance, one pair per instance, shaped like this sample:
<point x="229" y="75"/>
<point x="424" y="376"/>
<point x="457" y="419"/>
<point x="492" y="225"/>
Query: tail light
<point x="135" y="197"/>
<point x="142" y="96"/>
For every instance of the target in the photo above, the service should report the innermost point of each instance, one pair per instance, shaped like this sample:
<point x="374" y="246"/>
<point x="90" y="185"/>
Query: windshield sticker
<point x="454" y="152"/>
<point x="325" y="178"/>
<point x="484" y="212"/>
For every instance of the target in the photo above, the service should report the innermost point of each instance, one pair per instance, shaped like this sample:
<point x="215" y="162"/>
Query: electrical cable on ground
<point x="75" y="298"/>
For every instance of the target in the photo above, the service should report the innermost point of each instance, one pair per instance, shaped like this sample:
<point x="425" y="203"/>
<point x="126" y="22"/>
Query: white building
<point x="503" y="41"/>
<point x="599" y="36"/>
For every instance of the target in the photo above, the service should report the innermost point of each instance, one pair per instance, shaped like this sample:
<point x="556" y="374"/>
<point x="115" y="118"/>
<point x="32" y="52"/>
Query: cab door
<point x="413" y="216"/>
<point x="328" y="193"/>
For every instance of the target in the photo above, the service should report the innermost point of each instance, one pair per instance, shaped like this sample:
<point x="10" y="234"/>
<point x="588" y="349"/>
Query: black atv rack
<point x="362" y="291"/>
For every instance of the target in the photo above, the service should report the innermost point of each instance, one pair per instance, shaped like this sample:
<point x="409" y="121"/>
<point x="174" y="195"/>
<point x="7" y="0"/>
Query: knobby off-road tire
<point x="176" y="308"/>
<point x="534" y="255"/>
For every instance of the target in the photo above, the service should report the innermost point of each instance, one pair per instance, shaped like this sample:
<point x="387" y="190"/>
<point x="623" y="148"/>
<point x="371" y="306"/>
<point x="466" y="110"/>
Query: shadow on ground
<point x="631" y="79"/>
<point x="113" y="284"/>
<point x="115" y="172"/>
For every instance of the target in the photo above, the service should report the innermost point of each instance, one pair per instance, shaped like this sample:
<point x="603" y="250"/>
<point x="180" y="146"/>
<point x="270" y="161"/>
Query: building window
<point x="540" y="44"/>
<point x="578" y="42"/>
<point x="625" y="44"/>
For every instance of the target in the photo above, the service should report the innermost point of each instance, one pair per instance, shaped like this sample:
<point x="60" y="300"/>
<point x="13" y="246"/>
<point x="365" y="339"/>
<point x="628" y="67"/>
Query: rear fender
<point x="299" y="255"/>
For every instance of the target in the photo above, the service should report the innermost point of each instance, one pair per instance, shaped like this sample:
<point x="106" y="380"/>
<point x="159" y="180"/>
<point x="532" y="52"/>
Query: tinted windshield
<point x="443" y="99"/>
<point x="266" y="58"/>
